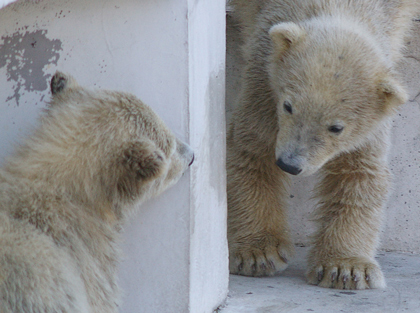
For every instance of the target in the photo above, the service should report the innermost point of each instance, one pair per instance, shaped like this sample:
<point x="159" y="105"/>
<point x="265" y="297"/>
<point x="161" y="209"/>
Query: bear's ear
<point x="285" y="35"/>
<point x="61" y="81"/>
<point x="392" y="93"/>
<point x="143" y="160"/>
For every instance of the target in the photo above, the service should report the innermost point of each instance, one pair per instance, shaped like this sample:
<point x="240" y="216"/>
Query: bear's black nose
<point x="192" y="161"/>
<point x="288" y="168"/>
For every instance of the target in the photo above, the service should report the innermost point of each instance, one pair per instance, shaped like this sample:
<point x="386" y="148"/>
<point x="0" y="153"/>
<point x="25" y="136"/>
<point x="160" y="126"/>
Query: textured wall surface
<point x="402" y="215"/>
<point x="209" y="257"/>
<point x="166" y="53"/>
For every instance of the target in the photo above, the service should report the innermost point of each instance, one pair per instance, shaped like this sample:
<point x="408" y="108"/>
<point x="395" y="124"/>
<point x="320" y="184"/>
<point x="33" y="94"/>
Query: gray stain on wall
<point x="25" y="56"/>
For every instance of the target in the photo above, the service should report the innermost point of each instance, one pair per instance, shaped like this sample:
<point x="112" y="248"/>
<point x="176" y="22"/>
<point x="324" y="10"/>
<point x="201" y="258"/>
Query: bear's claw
<point x="350" y="273"/>
<point x="258" y="262"/>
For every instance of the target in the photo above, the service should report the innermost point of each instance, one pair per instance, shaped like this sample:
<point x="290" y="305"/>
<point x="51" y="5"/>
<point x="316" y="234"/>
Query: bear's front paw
<point x="262" y="258"/>
<point x="346" y="273"/>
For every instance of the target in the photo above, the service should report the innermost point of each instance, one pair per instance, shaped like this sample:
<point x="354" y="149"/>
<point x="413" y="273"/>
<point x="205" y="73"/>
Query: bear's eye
<point x="287" y="107"/>
<point x="336" y="129"/>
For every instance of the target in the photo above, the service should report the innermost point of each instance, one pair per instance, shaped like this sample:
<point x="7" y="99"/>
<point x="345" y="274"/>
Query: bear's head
<point x="103" y="148"/>
<point x="334" y="90"/>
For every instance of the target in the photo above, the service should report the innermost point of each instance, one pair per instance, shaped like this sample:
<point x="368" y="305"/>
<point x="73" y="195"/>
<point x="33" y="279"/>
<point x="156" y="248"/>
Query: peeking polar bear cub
<point x="68" y="188"/>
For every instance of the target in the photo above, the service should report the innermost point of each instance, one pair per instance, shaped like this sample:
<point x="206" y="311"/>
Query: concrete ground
<point x="289" y="291"/>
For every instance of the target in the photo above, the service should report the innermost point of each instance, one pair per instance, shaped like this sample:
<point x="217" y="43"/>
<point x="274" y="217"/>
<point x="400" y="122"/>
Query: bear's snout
<point x="287" y="167"/>
<point x="186" y="151"/>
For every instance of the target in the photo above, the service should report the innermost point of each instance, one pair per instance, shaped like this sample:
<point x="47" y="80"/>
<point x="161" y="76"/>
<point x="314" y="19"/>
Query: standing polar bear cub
<point x="66" y="191"/>
<point x="319" y="90"/>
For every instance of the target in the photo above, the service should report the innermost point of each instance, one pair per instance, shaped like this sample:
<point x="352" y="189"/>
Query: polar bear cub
<point x="318" y="93"/>
<point x="68" y="188"/>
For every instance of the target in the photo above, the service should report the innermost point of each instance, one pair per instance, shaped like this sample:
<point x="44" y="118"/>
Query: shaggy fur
<point x="318" y="92"/>
<point x="67" y="190"/>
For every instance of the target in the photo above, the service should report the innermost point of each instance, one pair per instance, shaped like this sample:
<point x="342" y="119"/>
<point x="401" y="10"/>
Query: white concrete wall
<point x="171" y="55"/>
<point x="5" y="2"/>
<point x="402" y="215"/>
<point x="207" y="48"/>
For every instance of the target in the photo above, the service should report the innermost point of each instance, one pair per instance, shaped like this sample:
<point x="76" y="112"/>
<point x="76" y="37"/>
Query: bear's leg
<point x="259" y="241"/>
<point x="352" y="192"/>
